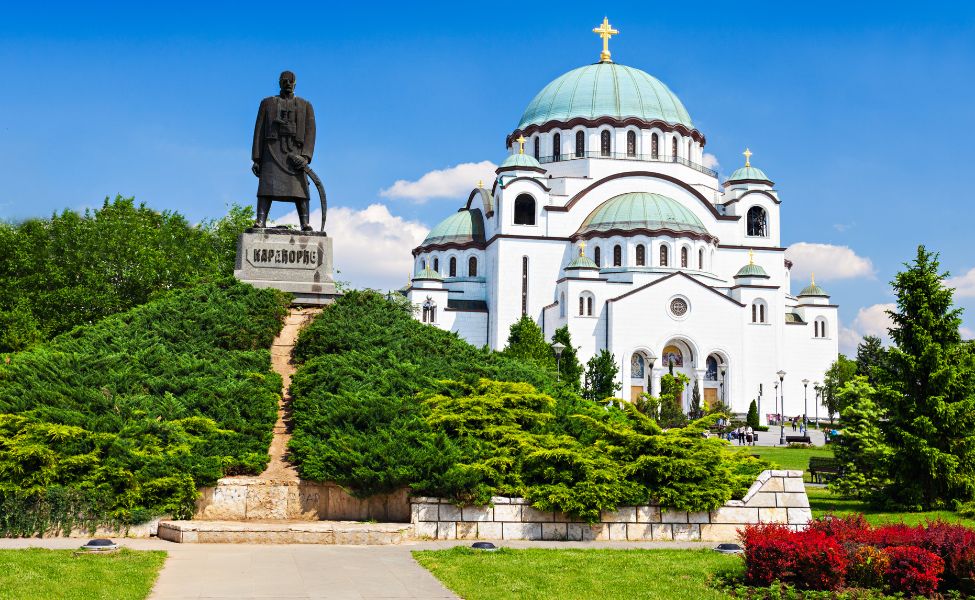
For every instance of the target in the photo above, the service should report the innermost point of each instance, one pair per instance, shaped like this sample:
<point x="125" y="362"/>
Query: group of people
<point x="745" y="435"/>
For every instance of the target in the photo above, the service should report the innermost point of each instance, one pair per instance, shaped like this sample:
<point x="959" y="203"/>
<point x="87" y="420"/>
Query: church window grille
<point x="524" y="210"/>
<point x="580" y="144"/>
<point x="524" y="285"/>
<point x="700" y="259"/>
<point x="663" y="256"/>
<point x="557" y="147"/>
<point x="757" y="221"/>
<point x="655" y="146"/>
<point x="604" y="143"/>
<point x="597" y="257"/>
<point x="673" y="149"/>
<point x="683" y="257"/>
<point x="537" y="144"/>
<point x="472" y="266"/>
<point x="436" y="265"/>
<point x="631" y="143"/>
<point x="678" y="307"/>
<point x="641" y="255"/>
<point x="617" y="255"/>
<point x="453" y="267"/>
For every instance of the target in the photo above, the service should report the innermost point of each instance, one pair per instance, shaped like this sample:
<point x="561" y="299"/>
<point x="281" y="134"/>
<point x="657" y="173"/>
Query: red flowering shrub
<point x="867" y="568"/>
<point x="819" y="561"/>
<point x="955" y="544"/>
<point x="896" y="535"/>
<point x="852" y="528"/>
<point x="769" y="553"/>
<point x="912" y="570"/>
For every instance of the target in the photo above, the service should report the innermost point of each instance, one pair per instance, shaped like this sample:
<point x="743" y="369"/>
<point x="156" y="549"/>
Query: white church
<point x="604" y="218"/>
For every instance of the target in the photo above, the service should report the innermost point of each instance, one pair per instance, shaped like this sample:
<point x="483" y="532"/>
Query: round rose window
<point x="678" y="307"/>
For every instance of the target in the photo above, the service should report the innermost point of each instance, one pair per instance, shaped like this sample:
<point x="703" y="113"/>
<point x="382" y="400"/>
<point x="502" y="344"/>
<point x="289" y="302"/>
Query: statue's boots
<point x="303" y="210"/>
<point x="263" y="208"/>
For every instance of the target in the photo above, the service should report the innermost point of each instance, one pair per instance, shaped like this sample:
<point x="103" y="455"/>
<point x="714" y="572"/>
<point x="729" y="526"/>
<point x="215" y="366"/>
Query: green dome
<point x="520" y="160"/>
<point x="605" y="89"/>
<point x="749" y="173"/>
<point x="751" y="270"/>
<point x="582" y="262"/>
<point x="462" y="227"/>
<point x="642" y="210"/>
<point x="813" y="290"/>
<point x="428" y="273"/>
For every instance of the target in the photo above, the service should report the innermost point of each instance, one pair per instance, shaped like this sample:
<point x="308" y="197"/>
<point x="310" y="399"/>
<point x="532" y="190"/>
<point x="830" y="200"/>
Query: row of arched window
<point x="452" y="266"/>
<point x="663" y="258"/>
<point x="429" y="311"/>
<point x="606" y="146"/>
<point x="758" y="312"/>
<point x="819" y="328"/>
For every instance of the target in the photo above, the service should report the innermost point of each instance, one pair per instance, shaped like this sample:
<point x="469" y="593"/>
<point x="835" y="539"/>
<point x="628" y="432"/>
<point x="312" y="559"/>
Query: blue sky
<point x="862" y="113"/>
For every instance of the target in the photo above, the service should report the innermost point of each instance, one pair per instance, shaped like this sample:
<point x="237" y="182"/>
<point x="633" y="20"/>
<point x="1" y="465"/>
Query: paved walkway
<point x="225" y="571"/>
<point x="771" y="437"/>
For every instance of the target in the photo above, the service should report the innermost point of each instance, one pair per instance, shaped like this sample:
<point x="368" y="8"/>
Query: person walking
<point x="749" y="436"/>
<point x="793" y="424"/>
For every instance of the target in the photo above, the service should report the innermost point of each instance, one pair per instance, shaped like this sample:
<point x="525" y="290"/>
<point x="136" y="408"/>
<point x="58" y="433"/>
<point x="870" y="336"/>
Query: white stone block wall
<point x="775" y="497"/>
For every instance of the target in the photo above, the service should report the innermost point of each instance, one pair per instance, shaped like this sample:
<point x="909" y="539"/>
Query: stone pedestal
<point x="299" y="262"/>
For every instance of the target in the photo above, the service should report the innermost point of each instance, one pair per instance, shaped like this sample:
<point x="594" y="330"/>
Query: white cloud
<point x="453" y="182"/>
<point x="372" y="246"/>
<point x="827" y="261"/>
<point x="870" y="320"/>
<point x="964" y="284"/>
<point x="711" y="161"/>
<point x="843" y="227"/>
<point x="967" y="333"/>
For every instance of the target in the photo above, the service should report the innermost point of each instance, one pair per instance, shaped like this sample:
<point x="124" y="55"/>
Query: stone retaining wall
<point x="775" y="497"/>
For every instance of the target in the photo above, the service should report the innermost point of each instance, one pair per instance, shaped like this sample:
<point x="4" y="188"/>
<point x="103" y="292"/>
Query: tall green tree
<point x="570" y="371"/>
<point x="526" y="342"/>
<point x="870" y="355"/>
<point x="928" y="391"/>
<point x="862" y="449"/>
<point x="839" y="373"/>
<point x="601" y="373"/>
<point x="671" y="393"/>
<point x="752" y="417"/>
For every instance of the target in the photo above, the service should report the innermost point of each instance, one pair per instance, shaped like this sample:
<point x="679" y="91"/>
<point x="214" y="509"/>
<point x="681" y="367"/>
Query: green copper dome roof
<point x="428" y="273"/>
<point x="605" y="89"/>
<point x="751" y="270"/>
<point x="749" y="172"/>
<point x="462" y="227"/>
<point x="642" y="210"/>
<point x="813" y="290"/>
<point x="520" y="160"/>
<point x="582" y="262"/>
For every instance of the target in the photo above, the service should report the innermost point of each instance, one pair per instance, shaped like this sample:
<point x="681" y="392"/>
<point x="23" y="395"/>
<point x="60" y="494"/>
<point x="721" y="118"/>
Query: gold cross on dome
<point x="521" y="144"/>
<point x="605" y="31"/>
<point x="748" y="157"/>
<point x="582" y="247"/>
<point x="751" y="256"/>
<point x="812" y="279"/>
<point x="480" y="184"/>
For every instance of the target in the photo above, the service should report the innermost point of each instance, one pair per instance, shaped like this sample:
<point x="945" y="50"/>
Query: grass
<point x="822" y="502"/>
<point x="38" y="573"/>
<point x="789" y="458"/>
<point x="579" y="574"/>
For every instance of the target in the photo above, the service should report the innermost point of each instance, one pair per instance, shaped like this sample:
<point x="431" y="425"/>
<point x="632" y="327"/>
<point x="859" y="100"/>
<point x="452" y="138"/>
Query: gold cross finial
<point x="605" y="31"/>
<point x="751" y="256"/>
<point x="521" y="144"/>
<point x="480" y="184"/>
<point x="812" y="279"/>
<point x="582" y="247"/>
<point x="748" y="157"/>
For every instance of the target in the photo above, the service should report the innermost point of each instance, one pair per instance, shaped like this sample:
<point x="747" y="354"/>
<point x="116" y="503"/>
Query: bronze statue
<point x="284" y="142"/>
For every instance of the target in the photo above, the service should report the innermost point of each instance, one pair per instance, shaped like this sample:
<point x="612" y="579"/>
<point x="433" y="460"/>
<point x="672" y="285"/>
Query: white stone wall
<point x="775" y="497"/>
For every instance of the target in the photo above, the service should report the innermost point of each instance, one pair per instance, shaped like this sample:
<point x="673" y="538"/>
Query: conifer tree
<point x="752" y="417"/>
<point x="601" y="372"/>
<point x="526" y="341"/>
<point x="839" y="373"/>
<point x="929" y="391"/>
<point x="570" y="371"/>
<point x="870" y="355"/>
<point x="862" y="449"/>
<point x="696" y="411"/>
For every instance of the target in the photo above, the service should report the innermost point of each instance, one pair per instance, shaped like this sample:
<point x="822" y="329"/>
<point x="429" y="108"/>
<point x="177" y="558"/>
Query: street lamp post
<point x="775" y="400"/>
<point x="818" y="392"/>
<point x="651" y="358"/>
<point x="781" y="375"/>
<point x="805" y="407"/>
<point x="760" y="403"/>
<point x="723" y="385"/>
<point x="558" y="360"/>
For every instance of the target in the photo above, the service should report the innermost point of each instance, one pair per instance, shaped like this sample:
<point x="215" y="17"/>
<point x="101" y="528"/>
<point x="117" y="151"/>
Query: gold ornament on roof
<point x="480" y="184"/>
<point x="605" y="31"/>
<point x="812" y="279"/>
<point x="521" y="144"/>
<point x="748" y="157"/>
<point x="751" y="256"/>
<point x="582" y="248"/>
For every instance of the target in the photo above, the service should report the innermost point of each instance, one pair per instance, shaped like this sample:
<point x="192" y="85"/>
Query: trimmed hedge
<point x="122" y="420"/>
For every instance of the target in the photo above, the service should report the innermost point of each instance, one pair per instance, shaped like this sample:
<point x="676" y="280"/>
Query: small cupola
<point x="520" y="161"/>
<point x="582" y="265"/>
<point x="748" y="174"/>
<point x="812" y="293"/>
<point x="751" y="270"/>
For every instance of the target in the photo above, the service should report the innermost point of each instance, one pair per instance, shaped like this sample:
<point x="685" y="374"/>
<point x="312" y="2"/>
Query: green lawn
<point x="789" y="458"/>
<point x="37" y="573"/>
<point x="823" y="502"/>
<point x="579" y="574"/>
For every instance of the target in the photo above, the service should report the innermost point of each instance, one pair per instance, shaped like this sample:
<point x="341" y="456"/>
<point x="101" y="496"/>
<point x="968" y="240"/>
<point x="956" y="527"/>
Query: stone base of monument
<point x="298" y="262"/>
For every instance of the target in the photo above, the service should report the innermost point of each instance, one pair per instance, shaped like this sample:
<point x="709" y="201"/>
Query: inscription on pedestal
<point x="283" y="255"/>
<point x="291" y="261"/>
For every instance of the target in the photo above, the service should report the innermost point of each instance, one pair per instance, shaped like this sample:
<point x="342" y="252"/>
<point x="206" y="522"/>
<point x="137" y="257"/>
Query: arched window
<point x="524" y="285"/>
<point x="673" y="149"/>
<point x="589" y="306"/>
<point x="617" y="256"/>
<point x="757" y="221"/>
<point x="683" y="257"/>
<point x="655" y="146"/>
<point x="597" y="256"/>
<point x="663" y="255"/>
<point x="700" y="259"/>
<point x="631" y="143"/>
<point x="604" y="143"/>
<point x="711" y="374"/>
<point x="537" y="142"/>
<point x="641" y="255"/>
<point x="637" y="366"/>
<point x="754" y="313"/>
<point x="423" y="265"/>
<point x="819" y="328"/>
<point x="758" y="312"/>
<point x="580" y="144"/>
<point x="436" y="265"/>
<point x="524" y="210"/>
<point x="689" y="146"/>
<point x="557" y="147"/>
<point x="472" y="266"/>
<point x="585" y="304"/>
<point x="562" y="309"/>
<point x="582" y="305"/>
<point x="429" y="311"/>
<point x="761" y="313"/>
<point x="816" y="329"/>
<point x="452" y="272"/>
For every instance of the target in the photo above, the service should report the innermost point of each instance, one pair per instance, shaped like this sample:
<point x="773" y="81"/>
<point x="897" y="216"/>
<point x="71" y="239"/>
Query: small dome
<point x="642" y="210"/>
<point x="605" y="89"/>
<point x="428" y="273"/>
<point x="462" y="227"/>
<point x="582" y="262"/>
<point x="749" y="173"/>
<point x="520" y="161"/>
<point x="813" y="290"/>
<point x="751" y="270"/>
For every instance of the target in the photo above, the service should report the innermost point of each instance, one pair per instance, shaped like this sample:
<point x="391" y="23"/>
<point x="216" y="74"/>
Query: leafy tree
<point x="862" y="449"/>
<point x="752" y="417"/>
<point x="601" y="373"/>
<point x="928" y="391"/>
<point x="671" y="392"/>
<point x="870" y="355"/>
<point x="526" y="342"/>
<point x="839" y="373"/>
<point x="570" y="371"/>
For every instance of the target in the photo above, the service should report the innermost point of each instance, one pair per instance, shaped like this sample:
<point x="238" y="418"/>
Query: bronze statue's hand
<point x="256" y="168"/>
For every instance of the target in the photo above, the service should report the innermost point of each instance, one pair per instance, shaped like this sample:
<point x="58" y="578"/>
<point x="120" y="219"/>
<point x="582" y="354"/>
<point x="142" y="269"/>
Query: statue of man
<point x="284" y="141"/>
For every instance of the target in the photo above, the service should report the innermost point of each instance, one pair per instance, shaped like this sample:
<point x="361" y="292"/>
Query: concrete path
<point x="225" y="571"/>
<point x="771" y="437"/>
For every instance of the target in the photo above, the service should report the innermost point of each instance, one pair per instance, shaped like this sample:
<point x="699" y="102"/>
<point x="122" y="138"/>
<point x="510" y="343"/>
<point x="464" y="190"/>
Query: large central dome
<point x="605" y="89"/>
<point x="639" y="211"/>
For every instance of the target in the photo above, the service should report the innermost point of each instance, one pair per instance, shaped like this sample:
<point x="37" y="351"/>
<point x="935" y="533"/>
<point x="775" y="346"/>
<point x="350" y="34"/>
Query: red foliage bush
<point x="913" y="571"/>
<point x="955" y="544"/>
<point x="769" y="553"/>
<point x="895" y="535"/>
<point x="868" y="566"/>
<point x="852" y="528"/>
<point x="819" y="561"/>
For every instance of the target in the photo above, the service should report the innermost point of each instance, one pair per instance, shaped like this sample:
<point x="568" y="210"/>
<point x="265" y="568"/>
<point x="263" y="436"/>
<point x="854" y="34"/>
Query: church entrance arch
<point x="715" y="379"/>
<point x="677" y="357"/>
<point x="640" y="373"/>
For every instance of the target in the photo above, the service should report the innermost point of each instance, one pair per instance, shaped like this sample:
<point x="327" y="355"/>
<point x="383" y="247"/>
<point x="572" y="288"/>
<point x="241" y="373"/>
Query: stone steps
<point x="284" y="532"/>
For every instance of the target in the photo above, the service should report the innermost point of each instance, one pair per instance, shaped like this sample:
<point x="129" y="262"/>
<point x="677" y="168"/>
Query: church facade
<point x="603" y="218"/>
